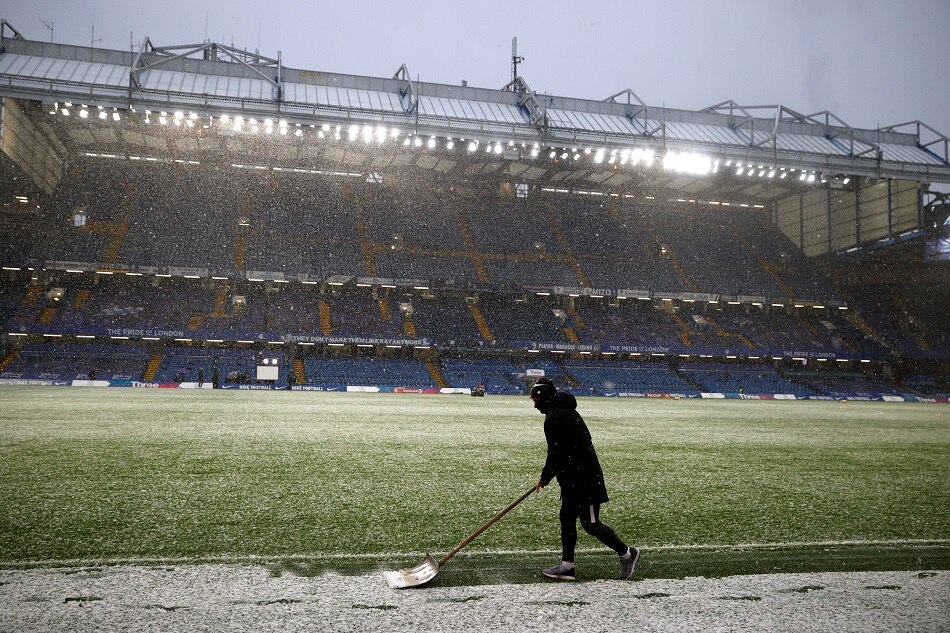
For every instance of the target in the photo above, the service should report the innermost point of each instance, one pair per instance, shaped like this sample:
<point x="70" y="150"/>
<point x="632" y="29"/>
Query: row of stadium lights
<point x="679" y="162"/>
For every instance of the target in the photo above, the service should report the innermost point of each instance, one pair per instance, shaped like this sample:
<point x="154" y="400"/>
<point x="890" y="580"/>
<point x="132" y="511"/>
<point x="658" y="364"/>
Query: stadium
<point x="206" y="227"/>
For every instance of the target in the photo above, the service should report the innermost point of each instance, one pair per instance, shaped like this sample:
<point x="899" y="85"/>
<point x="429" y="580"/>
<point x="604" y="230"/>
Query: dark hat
<point x="544" y="388"/>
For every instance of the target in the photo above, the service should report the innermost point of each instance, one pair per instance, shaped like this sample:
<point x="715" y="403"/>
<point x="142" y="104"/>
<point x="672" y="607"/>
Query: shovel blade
<point x="413" y="576"/>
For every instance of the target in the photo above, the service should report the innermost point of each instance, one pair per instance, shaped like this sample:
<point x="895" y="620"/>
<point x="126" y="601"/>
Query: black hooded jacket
<point x="571" y="456"/>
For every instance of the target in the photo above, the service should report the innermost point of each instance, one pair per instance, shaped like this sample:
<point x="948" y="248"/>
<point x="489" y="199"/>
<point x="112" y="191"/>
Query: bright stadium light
<point x="406" y="142"/>
<point x="353" y="132"/>
<point x="687" y="163"/>
<point x="162" y="119"/>
<point x="431" y="142"/>
<point x="417" y="142"/>
<point x="238" y="123"/>
<point x="103" y="115"/>
<point x="534" y="152"/>
<point x="450" y="144"/>
<point x="599" y="156"/>
<point x="83" y="114"/>
<point x="645" y="156"/>
<point x="498" y="148"/>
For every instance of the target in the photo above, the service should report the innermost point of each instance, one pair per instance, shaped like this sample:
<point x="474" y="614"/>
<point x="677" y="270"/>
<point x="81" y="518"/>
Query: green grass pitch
<point x="355" y="481"/>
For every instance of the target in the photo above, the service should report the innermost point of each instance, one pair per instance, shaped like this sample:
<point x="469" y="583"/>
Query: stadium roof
<point x="206" y="81"/>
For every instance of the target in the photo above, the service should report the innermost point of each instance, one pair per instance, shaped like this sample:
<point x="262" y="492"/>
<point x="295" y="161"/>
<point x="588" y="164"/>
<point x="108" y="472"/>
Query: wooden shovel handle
<point x="490" y="523"/>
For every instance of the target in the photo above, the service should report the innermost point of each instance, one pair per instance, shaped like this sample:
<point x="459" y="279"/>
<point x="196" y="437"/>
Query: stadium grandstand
<point x="176" y="215"/>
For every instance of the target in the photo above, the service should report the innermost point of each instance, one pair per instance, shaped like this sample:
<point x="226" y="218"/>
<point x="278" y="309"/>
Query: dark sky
<point x="870" y="62"/>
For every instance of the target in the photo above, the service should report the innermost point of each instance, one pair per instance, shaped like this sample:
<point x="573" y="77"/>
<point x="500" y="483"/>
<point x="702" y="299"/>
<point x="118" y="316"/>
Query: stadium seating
<point x="481" y="254"/>
<point x="740" y="378"/>
<point x="367" y="371"/>
<point x="498" y="375"/>
<point x="598" y="377"/>
<point x="76" y="361"/>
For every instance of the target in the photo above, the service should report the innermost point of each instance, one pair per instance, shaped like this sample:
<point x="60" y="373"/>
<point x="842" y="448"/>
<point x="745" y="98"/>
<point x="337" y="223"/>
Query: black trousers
<point x="589" y="516"/>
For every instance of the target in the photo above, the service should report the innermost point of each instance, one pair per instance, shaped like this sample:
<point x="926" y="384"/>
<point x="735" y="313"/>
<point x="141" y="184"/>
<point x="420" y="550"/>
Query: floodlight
<point x="772" y="173"/>
<point x="189" y="123"/>
<point x="300" y="133"/>
<point x="811" y="177"/>
<point x="320" y="133"/>
<point x="115" y="116"/>
<point x="803" y="176"/>
<point x="498" y="148"/>
<point x="431" y="142"/>
<point x="563" y="155"/>
<point x="282" y="123"/>
<point x="83" y="114"/>
<point x="238" y="123"/>
<point x="103" y="115"/>
<point x="450" y="144"/>
<point x="417" y="142"/>
<point x="552" y="154"/>
<point x="179" y="114"/>
<point x="283" y="131"/>
<point x="163" y="120"/>
<point x="534" y="153"/>
<point x="599" y="156"/>
<point x="325" y="127"/>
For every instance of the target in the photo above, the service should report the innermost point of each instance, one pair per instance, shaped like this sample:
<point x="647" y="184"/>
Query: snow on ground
<point x="239" y="598"/>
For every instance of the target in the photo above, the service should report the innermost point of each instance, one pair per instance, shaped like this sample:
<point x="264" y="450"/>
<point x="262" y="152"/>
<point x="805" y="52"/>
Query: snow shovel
<point x="429" y="567"/>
